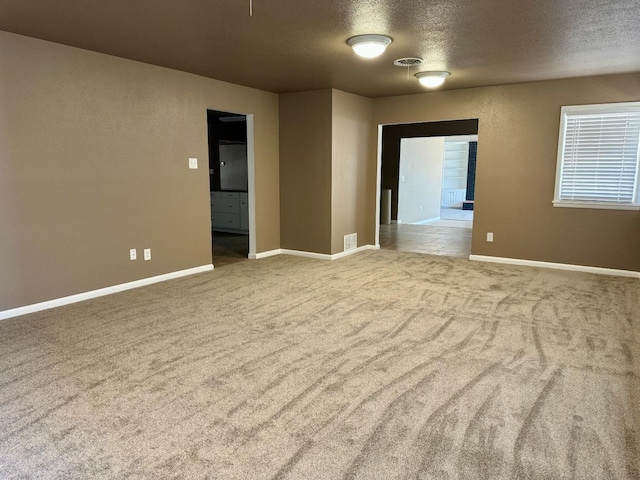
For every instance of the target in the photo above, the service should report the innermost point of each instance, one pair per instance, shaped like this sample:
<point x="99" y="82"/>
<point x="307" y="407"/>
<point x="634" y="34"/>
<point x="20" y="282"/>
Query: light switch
<point x="193" y="163"/>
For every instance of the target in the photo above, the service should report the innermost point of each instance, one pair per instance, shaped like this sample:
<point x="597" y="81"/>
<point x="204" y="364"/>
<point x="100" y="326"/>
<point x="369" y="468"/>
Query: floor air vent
<point x="350" y="241"/>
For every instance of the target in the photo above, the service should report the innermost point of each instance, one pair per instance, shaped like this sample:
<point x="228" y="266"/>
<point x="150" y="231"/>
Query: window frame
<point x="585" y="110"/>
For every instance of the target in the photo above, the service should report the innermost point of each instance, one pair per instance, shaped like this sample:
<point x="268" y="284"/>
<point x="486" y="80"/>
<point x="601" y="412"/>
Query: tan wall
<point x="517" y="150"/>
<point x="305" y="171"/>
<point x="93" y="161"/>
<point x="353" y="165"/>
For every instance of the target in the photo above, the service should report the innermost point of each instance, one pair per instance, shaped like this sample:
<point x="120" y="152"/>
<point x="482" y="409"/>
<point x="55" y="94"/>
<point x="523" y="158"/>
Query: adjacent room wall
<point x="93" y="161"/>
<point x="515" y="177"/>
<point x="420" y="187"/>
<point x="305" y="171"/>
<point x="353" y="165"/>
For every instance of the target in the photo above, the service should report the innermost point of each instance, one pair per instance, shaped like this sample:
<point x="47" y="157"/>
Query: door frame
<point x="442" y="128"/>
<point x="251" y="177"/>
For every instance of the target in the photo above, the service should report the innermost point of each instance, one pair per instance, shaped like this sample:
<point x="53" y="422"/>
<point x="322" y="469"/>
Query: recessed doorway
<point x="427" y="180"/>
<point x="229" y="185"/>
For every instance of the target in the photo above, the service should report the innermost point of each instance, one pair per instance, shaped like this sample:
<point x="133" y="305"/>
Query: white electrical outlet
<point x="489" y="236"/>
<point x="147" y="254"/>
<point x="193" y="163"/>
<point x="133" y="254"/>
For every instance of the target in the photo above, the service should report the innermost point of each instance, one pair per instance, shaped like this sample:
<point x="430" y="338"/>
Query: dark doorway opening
<point x="228" y="185"/>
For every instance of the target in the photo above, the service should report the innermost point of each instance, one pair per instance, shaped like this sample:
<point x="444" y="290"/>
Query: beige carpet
<point x="383" y="365"/>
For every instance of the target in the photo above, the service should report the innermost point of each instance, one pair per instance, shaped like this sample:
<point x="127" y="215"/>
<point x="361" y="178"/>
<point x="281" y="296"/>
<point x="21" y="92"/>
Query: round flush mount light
<point x="432" y="79"/>
<point x="369" y="46"/>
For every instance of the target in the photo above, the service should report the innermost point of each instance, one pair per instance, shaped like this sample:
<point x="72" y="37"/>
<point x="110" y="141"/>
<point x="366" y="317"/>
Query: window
<point x="598" y="160"/>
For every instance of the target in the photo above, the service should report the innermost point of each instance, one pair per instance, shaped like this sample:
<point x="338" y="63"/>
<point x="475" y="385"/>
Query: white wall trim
<point x="251" y="174"/>
<point x="335" y="256"/>
<point x="301" y="253"/>
<point x="595" y="206"/>
<point x="80" y="297"/>
<point x="558" y="266"/>
<point x="269" y="253"/>
<point x="317" y="256"/>
<point x="378" y="184"/>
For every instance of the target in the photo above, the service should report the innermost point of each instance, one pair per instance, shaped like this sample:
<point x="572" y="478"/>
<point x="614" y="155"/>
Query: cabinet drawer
<point x="221" y="194"/>
<point x="230" y="194"/>
<point x="225" y="220"/>
<point x="225" y="205"/>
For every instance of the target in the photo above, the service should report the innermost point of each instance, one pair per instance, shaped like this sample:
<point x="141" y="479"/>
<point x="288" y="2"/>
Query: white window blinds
<point x="598" y="157"/>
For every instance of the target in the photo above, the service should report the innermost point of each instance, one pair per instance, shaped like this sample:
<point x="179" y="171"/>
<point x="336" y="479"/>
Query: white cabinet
<point x="453" y="196"/>
<point x="229" y="212"/>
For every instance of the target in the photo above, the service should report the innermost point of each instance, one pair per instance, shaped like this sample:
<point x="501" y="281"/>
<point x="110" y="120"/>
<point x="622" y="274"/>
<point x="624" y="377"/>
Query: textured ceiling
<point x="293" y="45"/>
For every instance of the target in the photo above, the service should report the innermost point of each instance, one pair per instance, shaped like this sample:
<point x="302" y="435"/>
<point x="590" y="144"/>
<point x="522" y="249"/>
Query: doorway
<point x="427" y="178"/>
<point x="230" y="186"/>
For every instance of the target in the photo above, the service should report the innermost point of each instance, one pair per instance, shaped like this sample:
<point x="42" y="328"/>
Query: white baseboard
<point x="80" y="297"/>
<point x="557" y="266"/>
<point x="270" y="253"/>
<point x="335" y="256"/>
<point x="301" y="253"/>
<point x="424" y="222"/>
<point x="317" y="256"/>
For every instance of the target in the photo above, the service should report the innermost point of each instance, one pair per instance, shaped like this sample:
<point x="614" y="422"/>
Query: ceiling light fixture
<point x="432" y="79"/>
<point x="369" y="46"/>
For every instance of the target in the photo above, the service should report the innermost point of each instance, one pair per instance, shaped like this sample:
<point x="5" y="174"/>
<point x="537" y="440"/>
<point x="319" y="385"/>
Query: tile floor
<point x="455" y="213"/>
<point x="443" y="237"/>
<point x="229" y="248"/>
